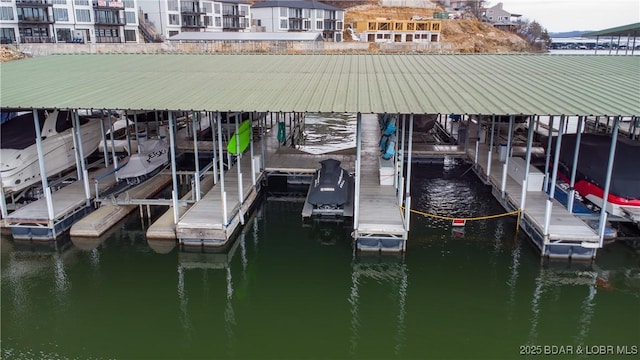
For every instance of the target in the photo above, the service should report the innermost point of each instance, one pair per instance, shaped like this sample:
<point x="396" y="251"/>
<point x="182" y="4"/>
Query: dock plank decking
<point x="563" y="225"/>
<point x="203" y="222"/>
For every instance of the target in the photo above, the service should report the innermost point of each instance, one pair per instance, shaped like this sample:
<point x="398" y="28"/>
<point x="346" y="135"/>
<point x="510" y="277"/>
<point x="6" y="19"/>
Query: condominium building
<point x="60" y="21"/>
<point x="171" y="17"/>
<point x="294" y="15"/>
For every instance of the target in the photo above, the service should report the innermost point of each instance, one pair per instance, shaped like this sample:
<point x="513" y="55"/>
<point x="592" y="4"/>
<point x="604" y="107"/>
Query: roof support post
<point x="574" y="167"/>
<point x="136" y="131"/>
<point x="607" y="182"/>
<point x="503" y="185"/>
<point x="174" y="175"/>
<point x="239" y="169"/>
<point x="356" y="210"/>
<point x="527" y="165"/>
<point x="223" y="194"/>
<point x="395" y="158"/>
<point x="82" y="171"/>
<point x="103" y="134"/>
<point x="196" y="179"/>
<point x="213" y="120"/>
<point x="554" y="176"/>
<point x="407" y="201"/>
<point x="43" y="168"/>
<point x="490" y="156"/>
<point x="253" y="166"/>
<point x="545" y="185"/>
<point x="401" y="157"/>
<point x="76" y="141"/>
<point x="478" y="126"/>
<point x="263" y="146"/>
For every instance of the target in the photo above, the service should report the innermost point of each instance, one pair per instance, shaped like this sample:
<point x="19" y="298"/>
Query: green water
<point x="288" y="290"/>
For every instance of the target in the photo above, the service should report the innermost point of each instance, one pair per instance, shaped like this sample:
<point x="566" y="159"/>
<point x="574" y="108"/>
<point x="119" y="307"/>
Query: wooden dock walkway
<point x="380" y="221"/>
<point x="567" y="233"/>
<point x="101" y="220"/>
<point x="69" y="205"/>
<point x="203" y="223"/>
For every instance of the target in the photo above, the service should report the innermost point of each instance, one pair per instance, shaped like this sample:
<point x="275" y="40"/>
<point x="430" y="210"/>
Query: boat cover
<point x="153" y="154"/>
<point x="329" y="185"/>
<point x="593" y="158"/>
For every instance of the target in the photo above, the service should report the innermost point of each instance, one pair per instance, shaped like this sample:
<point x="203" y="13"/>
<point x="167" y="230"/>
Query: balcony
<point x="110" y="22"/>
<point x="108" y="5"/>
<point x="34" y="20"/>
<point x="34" y="3"/>
<point x="191" y="7"/>
<point x="35" y="39"/>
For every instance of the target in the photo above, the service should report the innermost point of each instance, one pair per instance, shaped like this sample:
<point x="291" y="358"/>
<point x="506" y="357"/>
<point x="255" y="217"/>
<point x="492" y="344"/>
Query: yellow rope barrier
<point x="435" y="216"/>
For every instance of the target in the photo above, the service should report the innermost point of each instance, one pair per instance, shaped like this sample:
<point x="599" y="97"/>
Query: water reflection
<point x="390" y="273"/>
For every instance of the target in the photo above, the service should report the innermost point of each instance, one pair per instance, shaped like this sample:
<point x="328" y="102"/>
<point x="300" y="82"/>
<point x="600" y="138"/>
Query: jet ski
<point x="330" y="189"/>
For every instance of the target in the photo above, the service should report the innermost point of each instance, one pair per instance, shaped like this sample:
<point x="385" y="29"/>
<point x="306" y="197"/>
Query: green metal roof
<point x="626" y="30"/>
<point x="367" y="83"/>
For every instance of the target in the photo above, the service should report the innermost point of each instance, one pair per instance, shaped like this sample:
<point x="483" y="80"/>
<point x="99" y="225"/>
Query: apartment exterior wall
<point x="329" y="23"/>
<point x="68" y="21"/>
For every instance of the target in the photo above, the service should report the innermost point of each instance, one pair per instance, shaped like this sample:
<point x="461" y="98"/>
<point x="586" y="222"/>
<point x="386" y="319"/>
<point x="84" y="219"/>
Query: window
<point x="216" y="8"/>
<point x="218" y="21"/>
<point x="131" y="4"/>
<point x="60" y="14"/>
<point x="7" y="36"/>
<point x="307" y="13"/>
<point x="306" y="24"/>
<point x="130" y="17"/>
<point x="174" y="19"/>
<point x="6" y="13"/>
<point x="320" y="13"/>
<point x="83" y="15"/>
<point x="130" y="35"/>
<point x="244" y="10"/>
<point x="60" y="2"/>
<point x="284" y="24"/>
<point x="283" y="12"/>
<point x="172" y="5"/>
<point x="81" y="2"/>
<point x="319" y="25"/>
<point x="63" y="35"/>
<point x="208" y="20"/>
<point x="208" y="7"/>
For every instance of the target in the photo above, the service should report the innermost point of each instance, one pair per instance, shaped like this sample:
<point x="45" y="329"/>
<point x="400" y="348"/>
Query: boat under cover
<point x="330" y="188"/>
<point x="591" y="170"/>
<point x="153" y="156"/>
<point x="19" y="167"/>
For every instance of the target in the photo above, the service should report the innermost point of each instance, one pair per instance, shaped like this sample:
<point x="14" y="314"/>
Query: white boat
<point x="19" y="167"/>
<point x="153" y="156"/>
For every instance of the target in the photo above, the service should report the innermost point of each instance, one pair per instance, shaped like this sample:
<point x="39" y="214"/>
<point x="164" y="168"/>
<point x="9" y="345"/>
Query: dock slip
<point x="568" y="237"/>
<point x="213" y="220"/>
<point x="69" y="204"/>
<point x="380" y="224"/>
<point x="101" y="220"/>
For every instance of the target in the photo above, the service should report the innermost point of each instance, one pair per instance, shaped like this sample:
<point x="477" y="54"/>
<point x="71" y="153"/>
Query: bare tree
<point x="537" y="37"/>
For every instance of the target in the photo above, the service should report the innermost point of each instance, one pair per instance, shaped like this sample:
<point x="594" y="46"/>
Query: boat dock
<point x="101" y="220"/>
<point x="36" y="221"/>
<point x="567" y="236"/>
<point x="213" y="220"/>
<point x="380" y="224"/>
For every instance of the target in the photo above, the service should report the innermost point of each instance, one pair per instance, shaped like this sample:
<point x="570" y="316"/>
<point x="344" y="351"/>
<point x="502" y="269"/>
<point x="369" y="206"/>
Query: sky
<point x="569" y="15"/>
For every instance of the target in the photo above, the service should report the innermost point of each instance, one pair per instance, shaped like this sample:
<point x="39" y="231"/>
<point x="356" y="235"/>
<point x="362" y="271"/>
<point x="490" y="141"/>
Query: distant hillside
<point x="566" y="34"/>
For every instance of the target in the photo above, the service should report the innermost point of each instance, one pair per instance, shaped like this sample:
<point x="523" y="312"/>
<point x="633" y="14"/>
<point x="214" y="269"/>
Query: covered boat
<point x="330" y="189"/>
<point x="153" y="156"/>
<point x="19" y="167"/>
<point x="591" y="170"/>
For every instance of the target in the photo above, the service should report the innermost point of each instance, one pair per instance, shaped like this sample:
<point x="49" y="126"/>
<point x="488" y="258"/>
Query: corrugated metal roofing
<point x="487" y="84"/>
<point x="246" y="36"/>
<point x="625" y="30"/>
